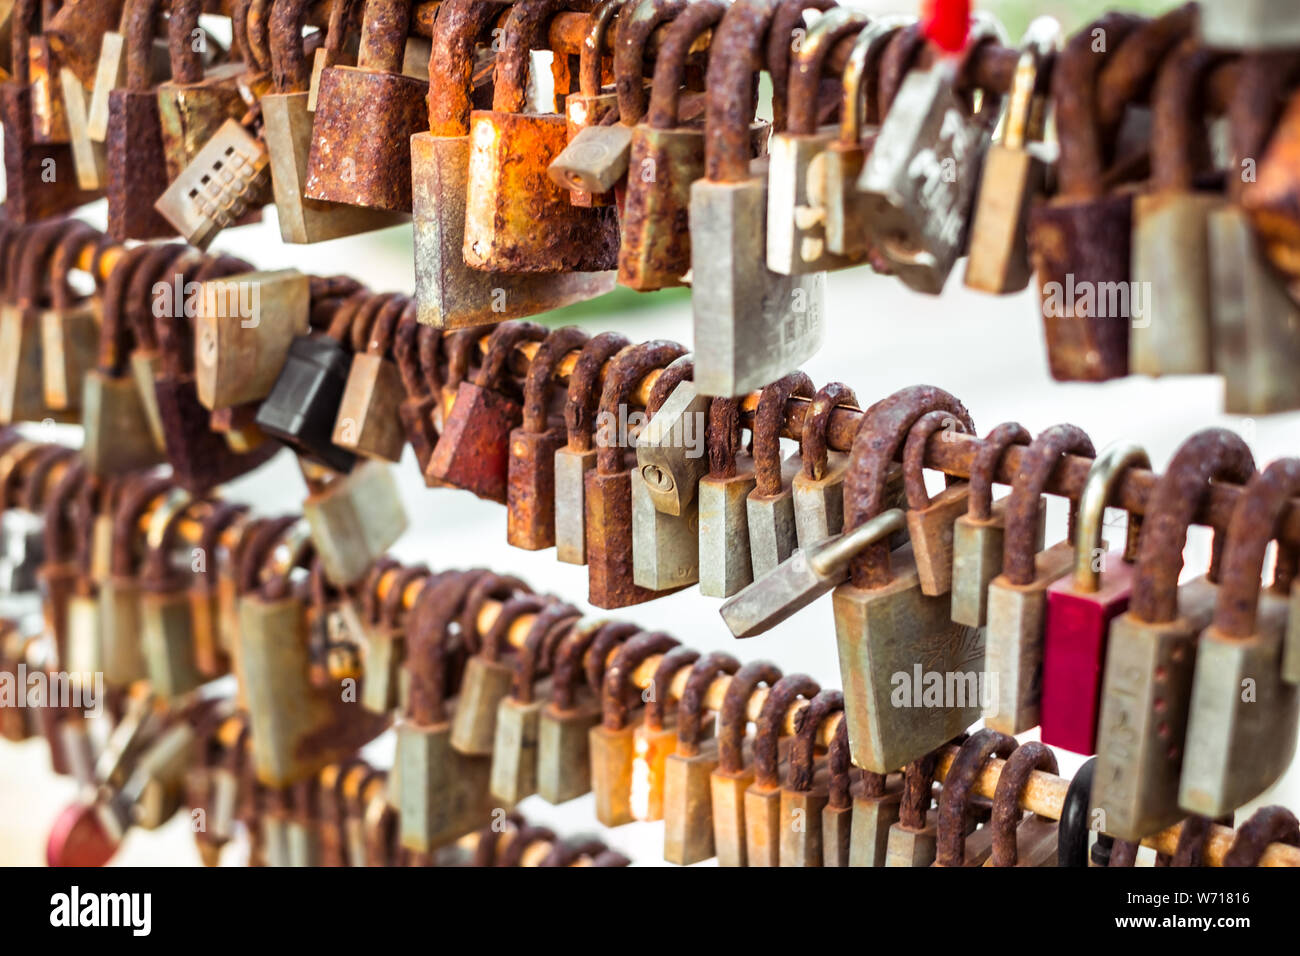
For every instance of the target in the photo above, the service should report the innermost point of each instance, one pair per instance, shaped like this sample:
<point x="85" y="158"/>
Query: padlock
<point x="210" y="637"/>
<point x="1015" y="171"/>
<point x="166" y="622"/>
<point x="1151" y="653"/>
<point x="1020" y="840"/>
<point x="578" y="456"/>
<point x="1240" y="742"/>
<point x="611" y="741"/>
<point x="725" y="565"/>
<point x="367" y="422"/>
<point x="665" y="546"/>
<point x="386" y="642"/>
<point x="978" y="535"/>
<point x="68" y="41"/>
<point x="242" y="572"/>
<point x="563" y="750"/>
<point x="59" y="575"/>
<point x="137" y="164"/>
<point x="1081" y="605"/>
<point x="514" y="750"/>
<point x="417" y="348"/>
<point x="921" y="175"/>
<point x="40" y="179"/>
<point x="796" y="196"/>
<point x="687" y="800"/>
<point x="671" y="452"/>
<point x="443" y="792"/>
<point x="161" y="272"/>
<point x="752" y="326"/>
<point x="1017" y="598"/>
<point x="608" y="487"/>
<point x="288" y="134"/>
<point x="69" y="327"/>
<point x="876" y="804"/>
<point x="806" y="793"/>
<point x="509" y="191"/>
<point x="655" y="736"/>
<point x="818" y="489"/>
<point x="473" y="451"/>
<point x="354" y="519"/>
<point x="955" y="845"/>
<point x="342" y="38"/>
<point x="1083" y="282"/>
<point x="762" y="798"/>
<point x="530" y="474"/>
<point x="884" y="624"/>
<point x="489" y="673"/>
<point x="930" y="520"/>
<point x="837" y="815"/>
<point x="769" y="508"/>
<point x="1171" y="249"/>
<point x="243" y="328"/>
<point x="365" y="117"/>
<point x="461" y="347"/>
<point x="1251" y="25"/>
<point x="119" y="595"/>
<point x="451" y="294"/>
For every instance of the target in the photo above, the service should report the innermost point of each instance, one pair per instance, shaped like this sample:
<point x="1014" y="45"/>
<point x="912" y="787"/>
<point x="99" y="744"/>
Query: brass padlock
<point x="386" y="640"/>
<point x="1017" y="598"/>
<point x="1020" y="840"/>
<point x="354" y="519"/>
<point x="563" y="751"/>
<point x="688" y="803"/>
<point x="509" y="191"/>
<point x="514" y="751"/>
<point x="611" y="579"/>
<point x="166" y="621"/>
<point x="806" y="793"/>
<point x="978" y="535"/>
<point x="725" y="565"/>
<point x="930" y="520"/>
<point x="70" y="326"/>
<point x="769" y="508"/>
<point x="473" y="451"/>
<point x="368" y="422"/>
<point x="365" y="117"/>
<point x="655" y="737"/>
<point x="884" y="624"/>
<point x="119" y="595"/>
<point x="612" y="746"/>
<point x="578" y="456"/>
<point x="752" y="326"/>
<point x="530" y="474"/>
<point x="955" y="845"/>
<point x="837" y="815"/>
<point x="876" y="806"/>
<point x="762" y="798"/>
<point x="211" y="638"/>
<point x="110" y="71"/>
<point x="1151" y="654"/>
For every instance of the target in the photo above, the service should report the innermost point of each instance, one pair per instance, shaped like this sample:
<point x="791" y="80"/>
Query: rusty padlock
<point x="930" y="520"/>
<point x="415" y="348"/>
<point x="655" y="736"/>
<point x="762" y="798"/>
<point x="1020" y="840"/>
<point x="725" y="565"/>
<point x="837" y="815"/>
<point x="806" y="792"/>
<point x="956" y="846"/>
<point x="60" y="575"/>
<point x="367" y="422"/>
<point x="166" y="621"/>
<point x="70" y="327"/>
<point x="119" y="595"/>
<point x="210" y="637"/>
<point x="769" y="508"/>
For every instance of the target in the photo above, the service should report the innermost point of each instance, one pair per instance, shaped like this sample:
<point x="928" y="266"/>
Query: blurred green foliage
<point x="1073" y="14"/>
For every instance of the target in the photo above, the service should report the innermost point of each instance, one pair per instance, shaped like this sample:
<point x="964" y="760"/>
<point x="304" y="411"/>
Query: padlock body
<point x="190" y="113"/>
<point x="514" y="752"/>
<point x="725" y="565"/>
<point x="873" y="818"/>
<point x="656" y="248"/>
<point x="304" y="401"/>
<point x="688" y="806"/>
<point x="930" y="530"/>
<point x="665" y="548"/>
<point x="563" y="751"/>
<point x="912" y="848"/>
<point x="38" y="185"/>
<point x="368" y="421"/>
<point x="167" y="642"/>
<point x="801" y="826"/>
<point x="977" y="560"/>
<point x="530" y="488"/>
<point x="486" y="684"/>
<point x="571" y="467"/>
<point x="137" y="167"/>
<point x="354" y="520"/>
<point x="612" y="756"/>
<point x="762" y="826"/>
<point x="69" y="345"/>
<point x="443" y="793"/>
<point x="474" y="450"/>
<point x="999" y="250"/>
<point x="611" y="578"/>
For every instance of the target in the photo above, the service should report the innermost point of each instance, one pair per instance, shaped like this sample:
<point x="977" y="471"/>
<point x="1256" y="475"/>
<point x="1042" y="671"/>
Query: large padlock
<point x="1172" y="335"/>
<point x="1151" y="654"/>
<point x="725" y="565"/>
<point x="119" y="596"/>
<point x="1020" y="840"/>
<point x="1017" y="598"/>
<point x="368" y="422"/>
<point x="613" y="751"/>
<point x="687" y="800"/>
<point x="166" y="619"/>
<point x="806" y="793"/>
<point x="955" y="845"/>
<point x="769" y="508"/>
<point x="885" y="624"/>
<point x="1241" y="730"/>
<point x="473" y="451"/>
<point x="1081" y="605"/>
<point x="70" y="326"/>
<point x="762" y="798"/>
<point x="611" y="575"/>
<point x="516" y="218"/>
<point x="530" y="474"/>
<point x="365" y="117"/>
<point x="354" y="519"/>
<point x="137" y="163"/>
<point x="578" y="456"/>
<point x="451" y="294"/>
<point x="752" y="325"/>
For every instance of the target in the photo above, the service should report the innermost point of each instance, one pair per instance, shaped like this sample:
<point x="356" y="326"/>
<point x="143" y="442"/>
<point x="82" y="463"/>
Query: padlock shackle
<point x="1038" y="48"/>
<point x="1211" y="455"/>
<point x="383" y="35"/>
<point x="769" y="420"/>
<point x="861" y="76"/>
<point x="257" y="35"/>
<point x="38" y="246"/>
<point x="879" y="440"/>
<point x="384" y="330"/>
<point x="139" y="43"/>
<point x="540" y="381"/>
<point x="778" y="46"/>
<point x="42" y="463"/>
<point x="678" y="659"/>
<point x="618" y="675"/>
<point x="806" y="75"/>
<point x="781" y="696"/>
<point x="59" y="519"/>
<point x="427" y="633"/>
<point x="670" y="63"/>
<point x="456" y="32"/>
<point x="840" y="764"/>
<point x="1137" y="45"/>
<point x="1266" y="825"/>
<point x="494" y="371"/>
<point x="634" y="29"/>
<point x="1254" y="522"/>
<point x="1179" y="140"/>
<point x="524" y="30"/>
<point x="369" y="588"/>
<point x="156" y="571"/>
<point x="154" y="269"/>
<point x="256" y="546"/>
<point x="134" y="502"/>
<point x="678" y="371"/>
<point x="735" y="56"/>
<point x="629" y="367"/>
<point x="550" y="625"/>
<point x="813" y="450"/>
<point x="1250" y="120"/>
<point x="1042" y="458"/>
<point x="406" y="352"/>
<point x="488" y="587"/>
<point x="690" y="709"/>
<point x="366" y="317"/>
<point x="182" y="24"/>
<point x="918" y="440"/>
<point x="289" y="70"/>
<point x="591" y="57"/>
<point x="394" y="603"/>
<point x="1103" y="479"/>
<point x="801" y="761"/>
<point x="64" y="259"/>
<point x="114" y="331"/>
<point x="1080" y="167"/>
<point x="984" y="468"/>
<point x="902" y="52"/>
<point x="461" y="347"/>
<point x="607" y="637"/>
<point x="25" y="23"/>
<point x="1012" y="780"/>
<point x="214" y="525"/>
<point x="429" y="350"/>
<point x="958" y="785"/>
<point x="567" y="663"/>
<point x="722" y="437"/>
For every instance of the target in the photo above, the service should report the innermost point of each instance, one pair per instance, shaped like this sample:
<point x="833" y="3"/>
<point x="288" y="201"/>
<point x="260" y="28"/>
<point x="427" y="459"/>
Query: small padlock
<point x="837" y="815"/>
<point x="688" y="804"/>
<point x="210" y="639"/>
<point x="473" y="451"/>
<point x="1151" y="654"/>
<point x="110" y="71"/>
<point x="415" y="349"/>
<point x="530" y="474"/>
<point x="354" y="519"/>
<point x="70" y="326"/>
<point x="1020" y="840"/>
<point x="368" y="422"/>
<point x="59" y="575"/>
<point x="671" y="451"/>
<point x="769" y="508"/>
<point x="612" y="746"/>
<point x="578" y="456"/>
<point x="119" y="595"/>
<point x="955" y="845"/>
<point x="1017" y="598"/>
<point x="806" y="793"/>
<point x="762" y="798"/>
<point x="725" y="565"/>
<point x="166" y="622"/>
<point x="386" y="642"/>
<point x="1081" y="605"/>
<point x="818" y="489"/>
<point x="930" y="520"/>
<point x="655" y="736"/>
